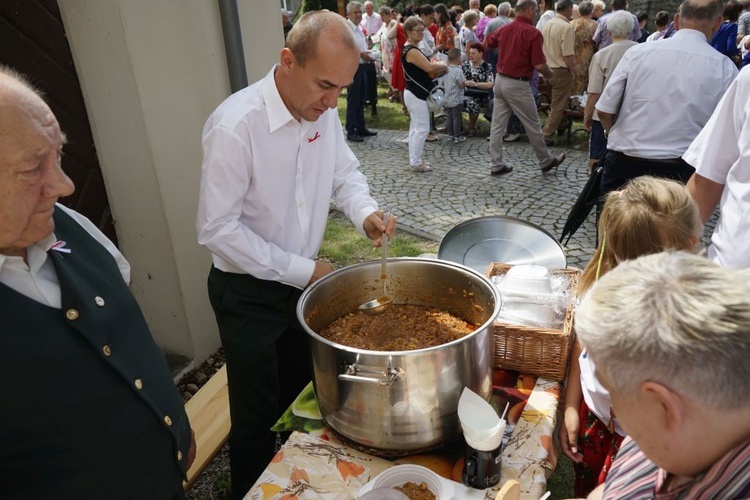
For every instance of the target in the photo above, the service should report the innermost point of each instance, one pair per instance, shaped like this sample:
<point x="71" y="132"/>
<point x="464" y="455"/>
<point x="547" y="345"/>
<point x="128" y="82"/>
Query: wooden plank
<point x="208" y="412"/>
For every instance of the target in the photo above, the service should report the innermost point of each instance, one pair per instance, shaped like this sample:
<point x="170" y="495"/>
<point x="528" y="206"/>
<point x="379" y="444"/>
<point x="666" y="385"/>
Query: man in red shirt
<point x="520" y="52"/>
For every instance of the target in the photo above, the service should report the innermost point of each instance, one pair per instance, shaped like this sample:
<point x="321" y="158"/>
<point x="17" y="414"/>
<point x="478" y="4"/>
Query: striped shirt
<point x="633" y="476"/>
<point x="454" y="95"/>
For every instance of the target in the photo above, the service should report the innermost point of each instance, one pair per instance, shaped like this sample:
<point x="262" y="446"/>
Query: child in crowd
<point x="453" y="85"/>
<point x="648" y="216"/>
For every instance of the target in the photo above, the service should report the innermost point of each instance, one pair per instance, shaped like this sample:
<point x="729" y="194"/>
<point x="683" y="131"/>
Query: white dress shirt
<point x="663" y="94"/>
<point x="360" y="38"/>
<point x="597" y="398"/>
<point x="36" y="278"/>
<point x="721" y="153"/>
<point x="371" y="24"/>
<point x="267" y="182"/>
<point x="546" y="17"/>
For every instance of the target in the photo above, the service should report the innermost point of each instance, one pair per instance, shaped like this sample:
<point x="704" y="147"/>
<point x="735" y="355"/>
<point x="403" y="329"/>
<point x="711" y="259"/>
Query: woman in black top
<point x="419" y="73"/>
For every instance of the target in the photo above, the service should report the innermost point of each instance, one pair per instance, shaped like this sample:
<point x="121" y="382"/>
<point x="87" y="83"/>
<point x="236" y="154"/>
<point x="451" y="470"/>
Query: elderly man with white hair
<point x="371" y="20"/>
<point x="669" y="335"/>
<point x="602" y="65"/>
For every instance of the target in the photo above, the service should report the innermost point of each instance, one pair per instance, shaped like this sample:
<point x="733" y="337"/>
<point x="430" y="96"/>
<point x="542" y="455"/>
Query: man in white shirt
<point x="90" y="409"/>
<point x="651" y="120"/>
<point x="721" y="157"/>
<point x="371" y="21"/>
<point x="356" y="94"/>
<point x="370" y="26"/>
<point x="274" y="156"/>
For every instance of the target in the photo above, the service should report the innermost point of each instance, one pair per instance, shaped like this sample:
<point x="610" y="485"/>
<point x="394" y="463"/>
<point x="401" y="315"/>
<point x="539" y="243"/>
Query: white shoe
<point x="423" y="167"/>
<point x="511" y="137"/>
<point x="460" y="138"/>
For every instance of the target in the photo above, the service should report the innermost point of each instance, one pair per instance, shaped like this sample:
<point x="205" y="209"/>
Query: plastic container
<point x="526" y="279"/>
<point x="409" y="473"/>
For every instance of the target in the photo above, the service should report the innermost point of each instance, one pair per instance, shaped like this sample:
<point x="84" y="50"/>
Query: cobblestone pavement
<point x="460" y="186"/>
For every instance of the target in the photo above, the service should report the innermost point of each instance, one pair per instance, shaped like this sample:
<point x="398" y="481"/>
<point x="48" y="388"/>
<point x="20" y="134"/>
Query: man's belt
<point x="636" y="159"/>
<point x="522" y="78"/>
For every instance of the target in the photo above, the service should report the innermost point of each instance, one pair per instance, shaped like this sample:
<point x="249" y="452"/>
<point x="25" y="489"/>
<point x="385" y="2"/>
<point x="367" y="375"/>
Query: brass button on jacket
<point x="138" y="384"/>
<point x="107" y="350"/>
<point x="167" y="420"/>
<point x="71" y="314"/>
<point x="99" y="301"/>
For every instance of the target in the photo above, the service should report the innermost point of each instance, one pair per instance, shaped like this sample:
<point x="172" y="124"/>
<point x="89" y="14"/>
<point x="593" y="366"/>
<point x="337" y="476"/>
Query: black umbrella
<point x="582" y="207"/>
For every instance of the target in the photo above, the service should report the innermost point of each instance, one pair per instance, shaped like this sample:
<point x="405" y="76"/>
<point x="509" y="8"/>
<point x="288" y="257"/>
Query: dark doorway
<point x="33" y="41"/>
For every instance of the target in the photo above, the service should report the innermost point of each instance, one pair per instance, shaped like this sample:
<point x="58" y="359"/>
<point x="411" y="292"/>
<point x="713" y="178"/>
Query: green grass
<point x="389" y="115"/>
<point x="343" y="245"/>
<point x="560" y="483"/>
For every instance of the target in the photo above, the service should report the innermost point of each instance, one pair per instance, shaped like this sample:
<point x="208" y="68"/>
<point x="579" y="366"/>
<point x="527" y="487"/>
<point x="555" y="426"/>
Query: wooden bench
<point x="208" y="412"/>
<point x="574" y="111"/>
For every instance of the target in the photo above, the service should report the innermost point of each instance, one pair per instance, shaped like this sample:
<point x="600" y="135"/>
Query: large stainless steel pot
<point x="405" y="400"/>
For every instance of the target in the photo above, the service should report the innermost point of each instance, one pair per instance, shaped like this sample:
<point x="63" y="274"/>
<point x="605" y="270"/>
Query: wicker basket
<point x="535" y="350"/>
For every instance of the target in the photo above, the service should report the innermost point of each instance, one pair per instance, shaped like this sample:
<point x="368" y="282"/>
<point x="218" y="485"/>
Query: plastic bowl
<point x="401" y="474"/>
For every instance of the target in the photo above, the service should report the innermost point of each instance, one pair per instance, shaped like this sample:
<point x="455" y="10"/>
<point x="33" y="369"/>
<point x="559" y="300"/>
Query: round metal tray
<point x="478" y="242"/>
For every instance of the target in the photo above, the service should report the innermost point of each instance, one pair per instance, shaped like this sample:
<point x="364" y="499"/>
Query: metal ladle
<point x="377" y="306"/>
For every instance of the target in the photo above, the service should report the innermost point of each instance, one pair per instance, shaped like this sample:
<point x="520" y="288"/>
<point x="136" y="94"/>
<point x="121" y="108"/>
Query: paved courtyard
<point x="460" y="187"/>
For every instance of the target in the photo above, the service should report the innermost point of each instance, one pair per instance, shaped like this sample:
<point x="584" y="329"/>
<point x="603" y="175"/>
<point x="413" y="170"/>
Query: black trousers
<point x="619" y="169"/>
<point x="355" y="103"/>
<point x="371" y="86"/>
<point x="268" y="364"/>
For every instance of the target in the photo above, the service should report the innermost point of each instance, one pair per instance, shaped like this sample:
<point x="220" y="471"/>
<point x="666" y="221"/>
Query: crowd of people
<point x="569" y="37"/>
<point x="668" y="159"/>
<point x="656" y="400"/>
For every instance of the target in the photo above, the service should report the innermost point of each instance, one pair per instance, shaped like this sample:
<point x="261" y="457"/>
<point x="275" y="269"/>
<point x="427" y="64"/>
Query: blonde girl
<point x="648" y="216"/>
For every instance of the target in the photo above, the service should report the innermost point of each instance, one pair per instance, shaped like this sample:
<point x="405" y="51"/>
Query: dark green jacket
<point x="88" y="408"/>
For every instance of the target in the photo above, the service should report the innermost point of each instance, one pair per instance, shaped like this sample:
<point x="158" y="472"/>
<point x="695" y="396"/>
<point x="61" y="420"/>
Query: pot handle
<point x="384" y="377"/>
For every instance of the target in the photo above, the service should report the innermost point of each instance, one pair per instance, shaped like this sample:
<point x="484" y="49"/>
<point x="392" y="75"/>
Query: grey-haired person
<point x="669" y="335"/>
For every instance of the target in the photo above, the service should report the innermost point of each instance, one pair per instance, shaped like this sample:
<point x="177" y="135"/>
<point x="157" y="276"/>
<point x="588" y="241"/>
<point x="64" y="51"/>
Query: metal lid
<point x="476" y="243"/>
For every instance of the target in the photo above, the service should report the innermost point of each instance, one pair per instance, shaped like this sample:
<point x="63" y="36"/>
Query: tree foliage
<point x="308" y="5"/>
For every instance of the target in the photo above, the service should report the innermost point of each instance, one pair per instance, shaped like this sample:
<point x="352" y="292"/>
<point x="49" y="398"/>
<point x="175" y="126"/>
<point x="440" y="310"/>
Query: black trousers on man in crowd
<point x="268" y="364"/>
<point x="371" y="87"/>
<point x="355" y="103"/>
<point x="620" y="168"/>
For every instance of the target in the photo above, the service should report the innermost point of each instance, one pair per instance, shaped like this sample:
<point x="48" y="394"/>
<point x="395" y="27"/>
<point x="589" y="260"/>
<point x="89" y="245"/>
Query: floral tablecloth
<point x="315" y="464"/>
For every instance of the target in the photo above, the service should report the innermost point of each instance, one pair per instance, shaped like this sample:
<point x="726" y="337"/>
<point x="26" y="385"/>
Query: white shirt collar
<point x="687" y="32"/>
<point x="278" y="114"/>
<point x="36" y="255"/>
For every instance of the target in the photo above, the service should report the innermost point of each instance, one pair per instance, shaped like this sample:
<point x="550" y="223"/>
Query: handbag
<point x="435" y="97"/>
<point x="479" y="93"/>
